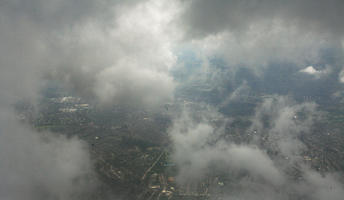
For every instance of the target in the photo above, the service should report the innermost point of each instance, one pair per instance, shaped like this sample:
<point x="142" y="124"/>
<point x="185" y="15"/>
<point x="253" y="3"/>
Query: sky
<point x="141" y="53"/>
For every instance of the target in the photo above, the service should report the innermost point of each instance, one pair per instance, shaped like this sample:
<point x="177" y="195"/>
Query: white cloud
<point x="316" y="73"/>
<point x="341" y="76"/>
<point x="198" y="146"/>
<point x="264" y="43"/>
<point x="310" y="70"/>
<point x="127" y="61"/>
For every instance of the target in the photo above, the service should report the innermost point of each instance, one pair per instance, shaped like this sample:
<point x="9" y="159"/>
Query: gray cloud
<point x="113" y="52"/>
<point x="126" y="61"/>
<point x="285" y="124"/>
<point x="33" y="165"/>
<point x="42" y="165"/>
<point x="52" y="15"/>
<point x="200" y="145"/>
<point x="202" y="17"/>
<point x="257" y="33"/>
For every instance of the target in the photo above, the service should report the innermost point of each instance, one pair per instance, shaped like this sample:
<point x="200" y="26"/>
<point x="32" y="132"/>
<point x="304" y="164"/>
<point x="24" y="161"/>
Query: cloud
<point x="42" y="165"/>
<point x="126" y="61"/>
<point x="316" y="73"/>
<point x="281" y="121"/>
<point x="110" y="51"/>
<point x="93" y="47"/>
<point x="116" y="52"/>
<point x="262" y="44"/>
<point x="202" y="17"/>
<point x="323" y="187"/>
<point x="33" y="165"/>
<point x="200" y="146"/>
<point x="258" y="33"/>
<point x="310" y="70"/>
<point x="341" y="76"/>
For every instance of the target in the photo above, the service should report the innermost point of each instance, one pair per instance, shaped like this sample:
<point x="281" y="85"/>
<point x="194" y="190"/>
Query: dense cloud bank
<point x="205" y="17"/>
<point x="258" y="33"/>
<point x="125" y="61"/>
<point x="107" y="51"/>
<point x="104" y="50"/>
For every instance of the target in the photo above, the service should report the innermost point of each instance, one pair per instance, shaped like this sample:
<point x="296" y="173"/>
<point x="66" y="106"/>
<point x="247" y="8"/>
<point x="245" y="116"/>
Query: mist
<point x="92" y="48"/>
<point x="274" y="67"/>
<point x="202" y="144"/>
